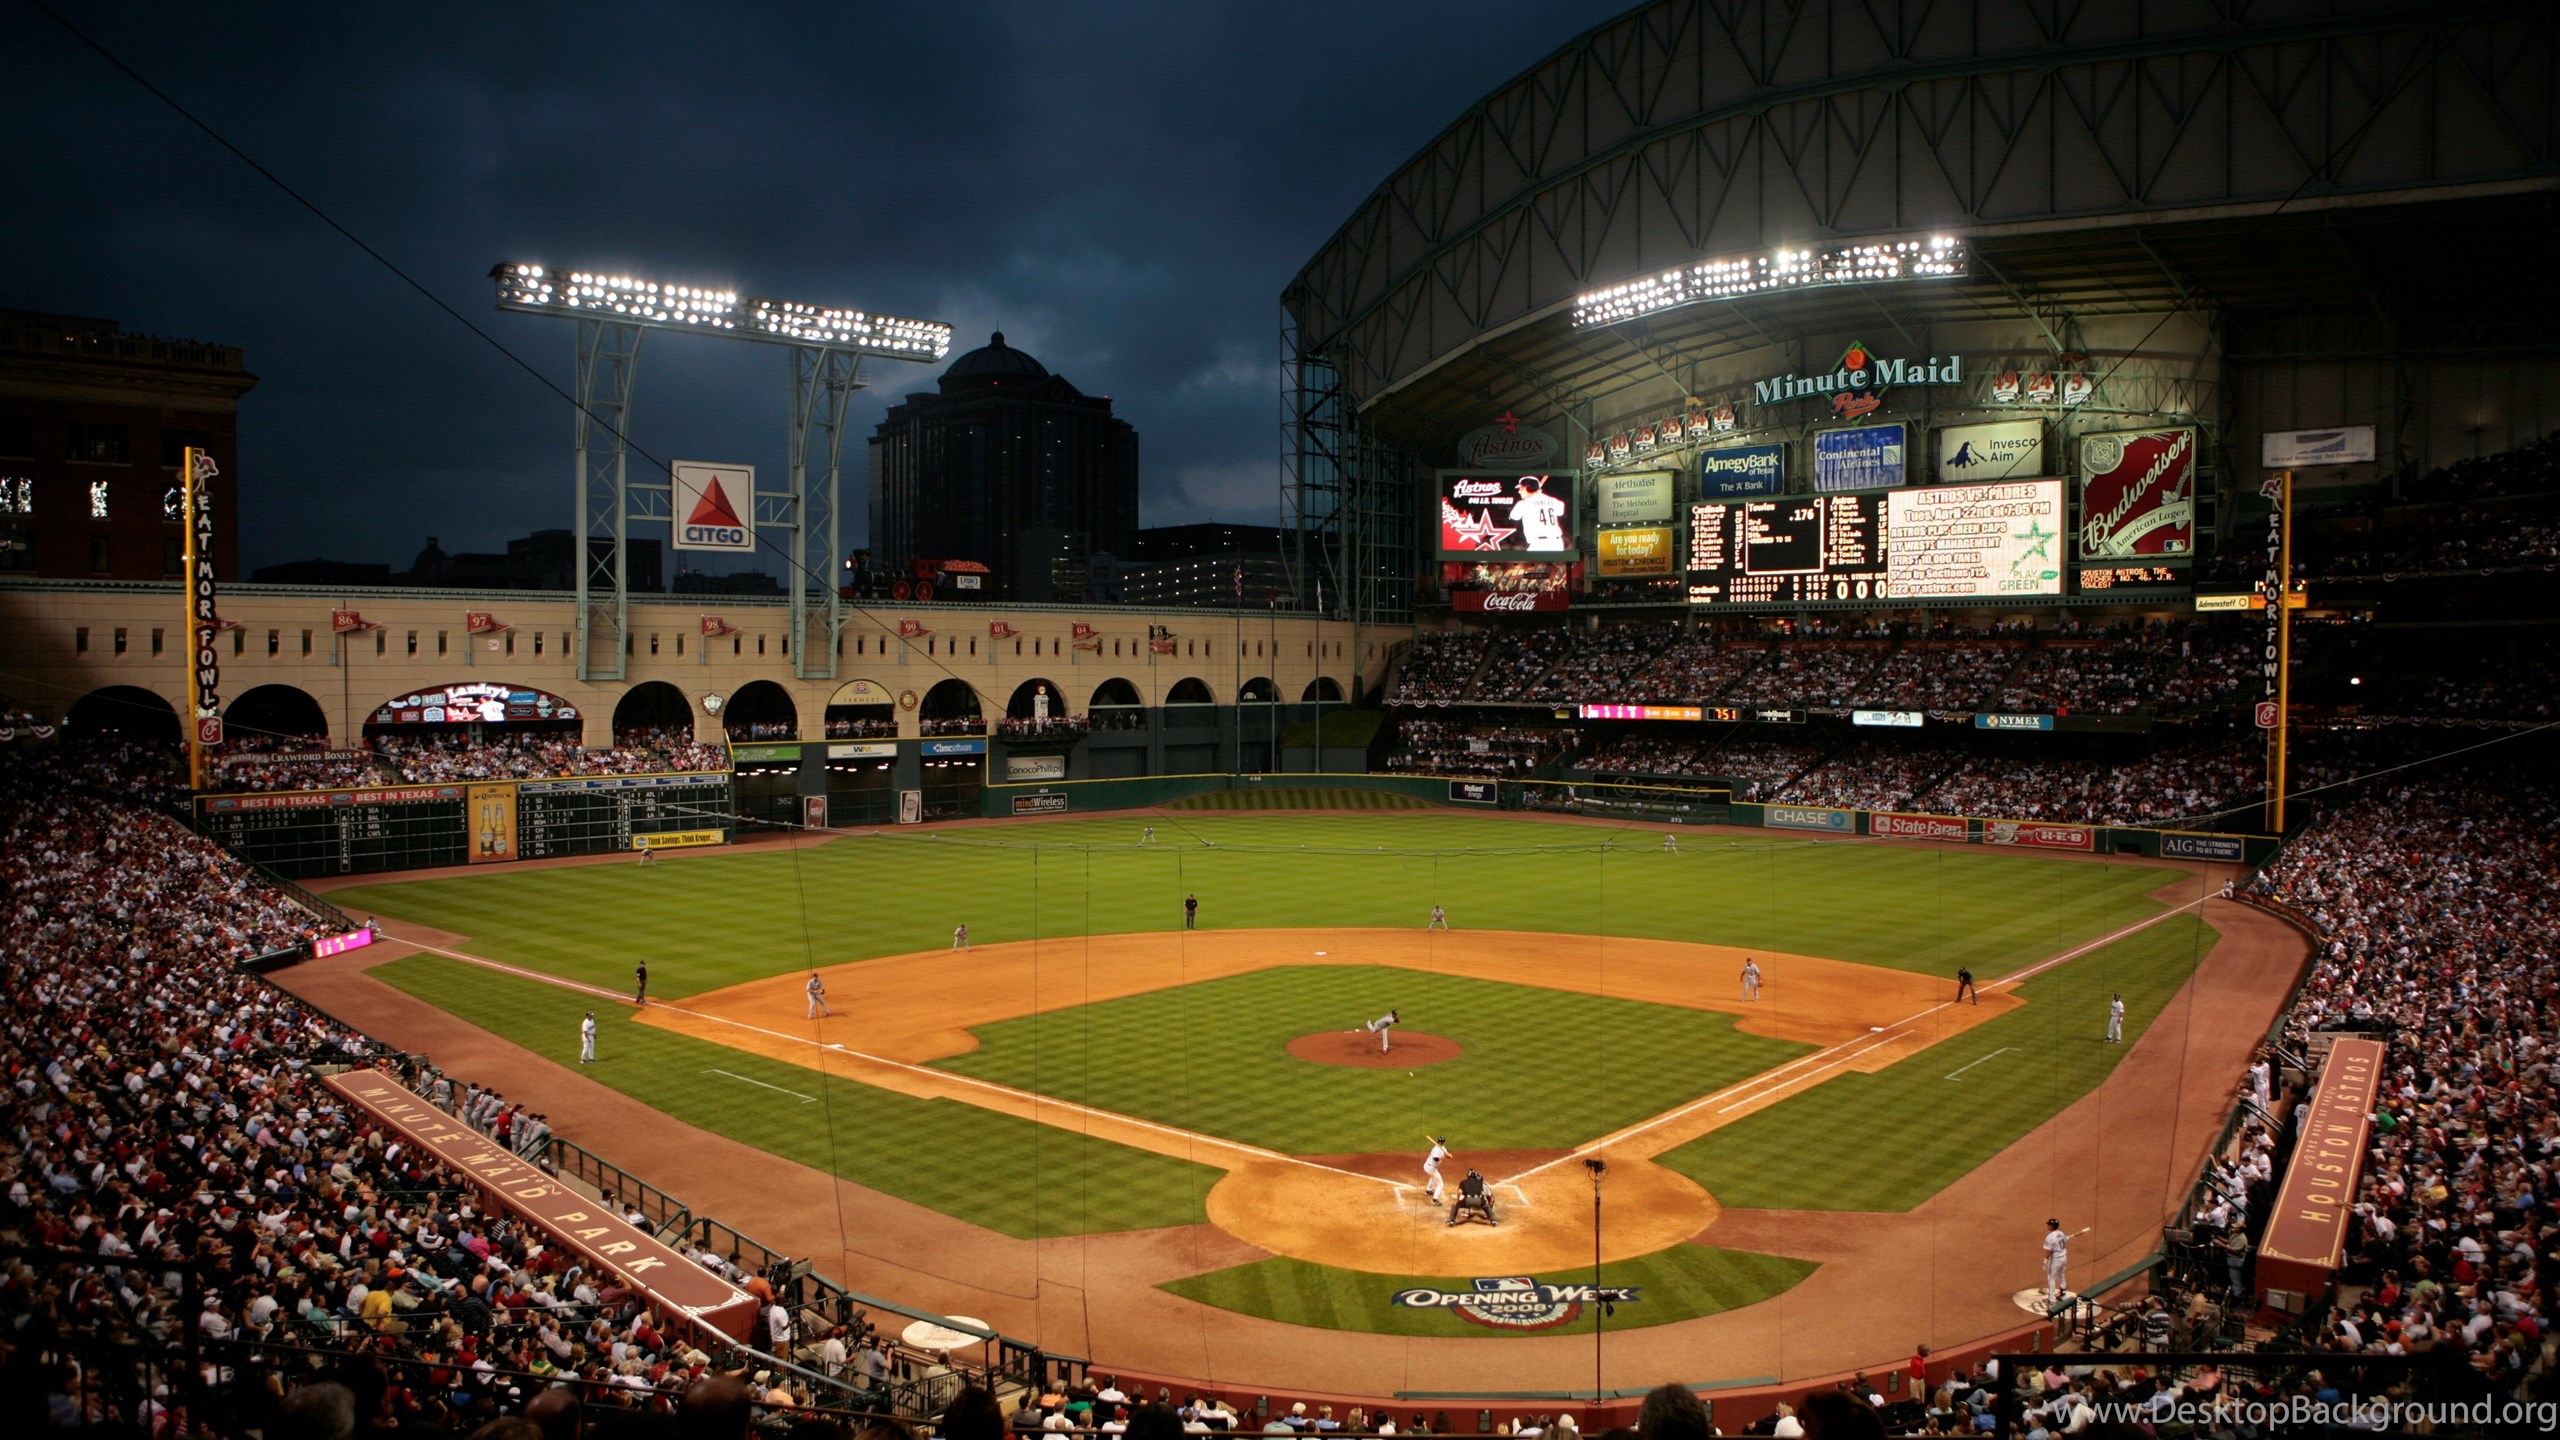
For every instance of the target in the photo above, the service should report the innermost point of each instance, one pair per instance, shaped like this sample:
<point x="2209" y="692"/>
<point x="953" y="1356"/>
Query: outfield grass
<point x="1890" y="1140"/>
<point x="1681" y="1283"/>
<point x="1541" y="1069"/>
<point x="1297" y="798"/>
<point x="1014" y="1176"/>
<point x="705" y="921"/>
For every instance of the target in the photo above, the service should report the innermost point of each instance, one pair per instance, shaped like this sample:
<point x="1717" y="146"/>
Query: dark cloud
<point x="1122" y="189"/>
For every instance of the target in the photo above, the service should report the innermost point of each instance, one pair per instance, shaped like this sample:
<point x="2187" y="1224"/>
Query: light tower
<point x="825" y="348"/>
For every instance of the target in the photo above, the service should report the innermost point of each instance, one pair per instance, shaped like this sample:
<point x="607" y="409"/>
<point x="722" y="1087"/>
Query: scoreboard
<point x="592" y="814"/>
<point x="304" y="833"/>
<point x="1933" y="542"/>
<point x="1798" y="548"/>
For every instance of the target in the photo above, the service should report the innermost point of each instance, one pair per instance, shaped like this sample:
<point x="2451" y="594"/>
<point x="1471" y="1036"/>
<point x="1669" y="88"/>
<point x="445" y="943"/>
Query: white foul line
<point x="939" y="1076"/>
<point x="804" y="1099"/>
<point x="2003" y="1050"/>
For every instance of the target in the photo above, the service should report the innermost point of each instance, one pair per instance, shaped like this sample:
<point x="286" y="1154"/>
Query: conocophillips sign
<point x="1517" y="1302"/>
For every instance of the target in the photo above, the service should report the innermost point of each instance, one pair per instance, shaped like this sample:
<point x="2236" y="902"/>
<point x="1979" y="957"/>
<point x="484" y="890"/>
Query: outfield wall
<point x="368" y="829"/>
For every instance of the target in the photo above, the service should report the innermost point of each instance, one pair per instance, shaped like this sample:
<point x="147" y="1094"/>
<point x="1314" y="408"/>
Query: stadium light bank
<point x="628" y="299"/>
<point x="1938" y="257"/>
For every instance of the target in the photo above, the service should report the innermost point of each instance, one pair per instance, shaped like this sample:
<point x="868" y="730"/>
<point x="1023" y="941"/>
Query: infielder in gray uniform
<point x="1384" y="1028"/>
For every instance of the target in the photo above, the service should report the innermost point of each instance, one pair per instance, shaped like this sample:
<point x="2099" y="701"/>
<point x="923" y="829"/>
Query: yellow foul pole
<point x="2280" y="622"/>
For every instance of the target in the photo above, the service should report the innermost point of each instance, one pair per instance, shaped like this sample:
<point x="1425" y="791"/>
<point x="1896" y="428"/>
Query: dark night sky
<point x="1123" y="189"/>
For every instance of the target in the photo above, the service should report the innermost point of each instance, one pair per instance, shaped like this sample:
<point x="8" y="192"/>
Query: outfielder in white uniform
<point x="817" y="997"/>
<point x="959" y="937"/>
<point x="1431" y="1166"/>
<point x="1671" y="844"/>
<point x="2057" y="1260"/>
<point x="1439" y="919"/>
<point x="1750" y="979"/>
<point x="1147" y="836"/>
<point x="1384" y="1028"/>
<point x="2115" y="1020"/>
<point x="587" y="1039"/>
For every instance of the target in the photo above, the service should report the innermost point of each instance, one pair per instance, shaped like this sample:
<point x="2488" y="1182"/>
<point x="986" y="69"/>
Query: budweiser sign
<point x="2137" y="494"/>
<point x="1508" y="602"/>
<point x="1916" y="827"/>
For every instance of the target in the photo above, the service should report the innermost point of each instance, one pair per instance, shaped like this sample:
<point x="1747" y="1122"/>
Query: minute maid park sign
<point x="1857" y="384"/>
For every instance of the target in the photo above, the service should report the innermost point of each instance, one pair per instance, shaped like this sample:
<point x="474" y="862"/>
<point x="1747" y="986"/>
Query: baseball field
<point x="1190" y="1125"/>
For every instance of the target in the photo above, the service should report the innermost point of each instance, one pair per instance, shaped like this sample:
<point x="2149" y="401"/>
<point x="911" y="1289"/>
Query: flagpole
<point x="1239" y="690"/>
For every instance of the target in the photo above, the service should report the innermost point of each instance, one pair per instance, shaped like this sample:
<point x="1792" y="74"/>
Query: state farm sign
<point x="1508" y="602"/>
<point x="1916" y="827"/>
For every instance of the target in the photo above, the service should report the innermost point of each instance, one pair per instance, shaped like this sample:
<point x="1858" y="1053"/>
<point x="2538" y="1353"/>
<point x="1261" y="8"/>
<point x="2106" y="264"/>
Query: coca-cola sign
<point x="1508" y="602"/>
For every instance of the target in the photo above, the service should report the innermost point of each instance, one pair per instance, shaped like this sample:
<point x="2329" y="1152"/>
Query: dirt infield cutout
<point x="1359" y="1049"/>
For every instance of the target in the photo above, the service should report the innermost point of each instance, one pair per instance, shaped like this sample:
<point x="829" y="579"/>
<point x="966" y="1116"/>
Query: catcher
<point x="1473" y="1199"/>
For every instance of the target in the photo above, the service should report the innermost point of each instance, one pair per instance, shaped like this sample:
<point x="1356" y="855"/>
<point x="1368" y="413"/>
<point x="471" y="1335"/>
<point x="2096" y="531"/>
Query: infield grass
<point x="1541" y="1069"/>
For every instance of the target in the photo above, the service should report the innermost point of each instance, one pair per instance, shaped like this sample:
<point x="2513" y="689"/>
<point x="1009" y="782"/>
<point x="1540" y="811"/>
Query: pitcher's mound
<point x="1360" y="1048"/>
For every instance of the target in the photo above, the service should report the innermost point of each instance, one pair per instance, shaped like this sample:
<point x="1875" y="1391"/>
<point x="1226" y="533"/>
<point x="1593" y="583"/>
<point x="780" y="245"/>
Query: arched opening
<point x="475" y="730"/>
<point x="1258" y="691"/>
<point x="126" y="713"/>
<point x="951" y="708"/>
<point x="1190" y="690"/>
<point x="1116" y="706"/>
<point x="861" y="709"/>
<point x="653" y="712"/>
<point x="1039" y="708"/>
<point x="760" y="710"/>
<point x="274" y="717"/>
<point x="1322" y="690"/>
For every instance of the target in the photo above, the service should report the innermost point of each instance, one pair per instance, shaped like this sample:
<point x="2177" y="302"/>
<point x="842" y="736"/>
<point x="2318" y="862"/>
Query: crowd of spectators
<point x="2430" y="899"/>
<point x="867" y="728"/>
<point x="952" y="725"/>
<point x="2032" y="779"/>
<point x="291" y="762"/>
<point x="1479" y="750"/>
<point x="170" y="1165"/>
<point x="2182" y="667"/>
<point x="1049" y="727"/>
<point x="437" y="758"/>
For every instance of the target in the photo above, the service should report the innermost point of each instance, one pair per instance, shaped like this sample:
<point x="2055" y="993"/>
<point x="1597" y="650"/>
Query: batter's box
<point x="1519" y="1198"/>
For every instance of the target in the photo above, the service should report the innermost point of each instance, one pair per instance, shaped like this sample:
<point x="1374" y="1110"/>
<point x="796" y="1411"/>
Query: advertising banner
<point x="328" y="945"/>
<point x="679" y="839"/>
<point x="2012" y="722"/>
<point x="1639" y="497"/>
<point x="813" y="812"/>
<point x="2305" y="1239"/>
<point x="955" y="747"/>
<point x="765" y="754"/>
<point x="1918" y="827"/>
<point x="1871" y="457"/>
<point x="2002" y="450"/>
<point x="910" y="807"/>
<point x="1521" y="517"/>
<point x="1739" y="472"/>
<point x="1959" y="541"/>
<point x="2296" y="449"/>
<point x="492" y="809"/>
<point x="864" y="750"/>
<point x="672" y="1282"/>
<point x="1474" y="792"/>
<point x="1035" y="767"/>
<point x="1039" y="804"/>
<point x="1891" y="719"/>
<point x="331" y="799"/>
<point x="2180" y="845"/>
<point x="2029" y="835"/>
<point x="474" y="703"/>
<point x="1808" y="817"/>
<point x="866" y="692"/>
<point x="1508" y="602"/>
<point x="1637" y="550"/>
<point x="2137" y="494"/>
<point x="713" y="506"/>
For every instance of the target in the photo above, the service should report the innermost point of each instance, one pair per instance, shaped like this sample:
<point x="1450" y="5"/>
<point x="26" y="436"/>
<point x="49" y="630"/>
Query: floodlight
<point x="708" y="309"/>
<point x="1733" y="277"/>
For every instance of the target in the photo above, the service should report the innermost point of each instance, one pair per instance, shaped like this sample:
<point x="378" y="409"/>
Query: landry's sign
<point x="1856" y="386"/>
<point x="640" y="1260"/>
<point x="2306" y="1233"/>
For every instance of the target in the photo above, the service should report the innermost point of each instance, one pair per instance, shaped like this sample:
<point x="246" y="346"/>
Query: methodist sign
<point x="672" y="1283"/>
<point x="2306" y="1236"/>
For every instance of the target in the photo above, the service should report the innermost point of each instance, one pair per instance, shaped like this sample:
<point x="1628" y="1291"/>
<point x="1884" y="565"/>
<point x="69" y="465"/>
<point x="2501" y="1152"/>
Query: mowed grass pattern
<point x="1890" y="1140"/>
<point x="1541" y="1069"/>
<point x="704" y="921"/>
<point x="1681" y="1283"/>
<point x="1010" y="1175"/>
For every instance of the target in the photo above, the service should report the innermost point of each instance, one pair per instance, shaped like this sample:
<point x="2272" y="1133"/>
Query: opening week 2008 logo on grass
<point x="1516" y="1302"/>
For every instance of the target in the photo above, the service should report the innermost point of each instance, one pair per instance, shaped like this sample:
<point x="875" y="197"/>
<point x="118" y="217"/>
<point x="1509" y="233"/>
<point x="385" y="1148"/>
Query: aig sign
<point x="710" y="505"/>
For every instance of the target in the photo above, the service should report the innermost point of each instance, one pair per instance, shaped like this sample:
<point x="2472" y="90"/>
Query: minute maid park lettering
<point x="1859" y="374"/>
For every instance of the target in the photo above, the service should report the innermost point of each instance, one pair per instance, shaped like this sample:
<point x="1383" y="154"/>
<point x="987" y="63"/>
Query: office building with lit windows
<point x="1004" y="464"/>
<point x="92" y="422"/>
